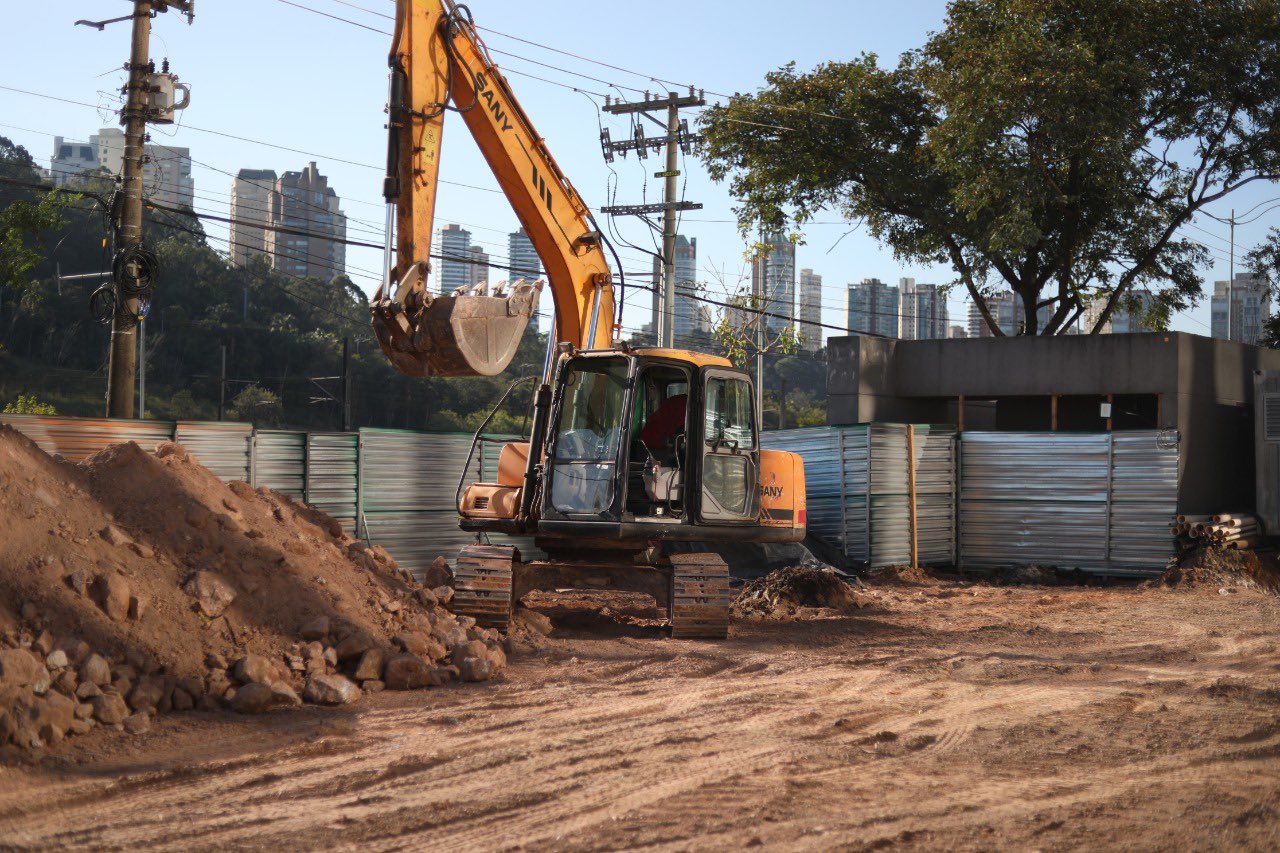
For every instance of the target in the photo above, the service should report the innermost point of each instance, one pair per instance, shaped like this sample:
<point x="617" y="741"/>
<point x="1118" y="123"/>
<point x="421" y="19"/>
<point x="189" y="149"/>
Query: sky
<point x="299" y="87"/>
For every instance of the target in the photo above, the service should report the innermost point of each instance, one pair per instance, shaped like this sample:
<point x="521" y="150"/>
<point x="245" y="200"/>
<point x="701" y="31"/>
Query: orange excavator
<point x="634" y="454"/>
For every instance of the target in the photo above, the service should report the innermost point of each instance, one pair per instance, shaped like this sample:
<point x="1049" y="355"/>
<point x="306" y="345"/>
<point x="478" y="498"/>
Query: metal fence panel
<point x="280" y="462"/>
<point x="79" y="438"/>
<point x="1099" y="502"/>
<point x="222" y="447"/>
<point x="332" y="475"/>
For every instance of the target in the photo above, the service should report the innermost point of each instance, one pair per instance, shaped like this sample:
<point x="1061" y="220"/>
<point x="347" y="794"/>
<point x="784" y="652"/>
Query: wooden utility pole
<point x="123" y="367"/>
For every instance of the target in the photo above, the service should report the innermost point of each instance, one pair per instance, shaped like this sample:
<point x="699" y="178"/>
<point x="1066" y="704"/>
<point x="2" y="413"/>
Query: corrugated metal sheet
<point x="332" y="475"/>
<point x="856" y="479"/>
<point x="280" y="462"/>
<point x="222" y="447"/>
<point x="79" y="438"/>
<point x="1099" y="502"/>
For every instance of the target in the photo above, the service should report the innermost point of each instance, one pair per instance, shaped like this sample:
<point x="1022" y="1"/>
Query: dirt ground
<point x="944" y="715"/>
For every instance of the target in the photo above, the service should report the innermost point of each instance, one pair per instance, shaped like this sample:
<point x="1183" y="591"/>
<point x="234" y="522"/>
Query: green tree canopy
<point x="1051" y="146"/>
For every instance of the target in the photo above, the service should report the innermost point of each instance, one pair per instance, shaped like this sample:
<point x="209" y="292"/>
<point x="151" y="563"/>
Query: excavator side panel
<point x="782" y="492"/>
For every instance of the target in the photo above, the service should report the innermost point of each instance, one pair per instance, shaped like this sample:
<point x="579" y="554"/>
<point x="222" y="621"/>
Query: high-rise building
<point x="453" y="245"/>
<point x="1250" y="307"/>
<point x="166" y="170"/>
<point x="250" y="213"/>
<point x="956" y="332"/>
<point x="521" y="257"/>
<point x="1006" y="309"/>
<point x="773" y="276"/>
<point x="479" y="266"/>
<point x="304" y="202"/>
<point x="1129" y="315"/>
<point x="872" y="308"/>
<point x="688" y="314"/>
<point x="924" y="311"/>
<point x="810" y="313"/>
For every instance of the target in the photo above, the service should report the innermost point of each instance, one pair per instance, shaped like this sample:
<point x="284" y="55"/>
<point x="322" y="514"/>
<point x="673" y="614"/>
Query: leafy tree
<point x="1264" y="262"/>
<point x="26" y="217"/>
<point x="29" y="405"/>
<point x="258" y="405"/>
<point x="1054" y="146"/>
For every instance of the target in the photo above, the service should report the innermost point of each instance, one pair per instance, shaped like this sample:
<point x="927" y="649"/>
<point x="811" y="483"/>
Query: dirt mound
<point x="134" y="584"/>
<point x="1212" y="567"/>
<point x="795" y="591"/>
<point x="900" y="574"/>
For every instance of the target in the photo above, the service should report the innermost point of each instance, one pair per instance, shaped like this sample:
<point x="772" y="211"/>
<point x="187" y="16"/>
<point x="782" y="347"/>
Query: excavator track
<point x="482" y="584"/>
<point x="700" y="597"/>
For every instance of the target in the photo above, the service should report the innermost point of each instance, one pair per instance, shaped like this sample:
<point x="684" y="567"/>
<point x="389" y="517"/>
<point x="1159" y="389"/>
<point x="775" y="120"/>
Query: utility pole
<point x="144" y="99"/>
<point x="676" y="133"/>
<point x="222" y="385"/>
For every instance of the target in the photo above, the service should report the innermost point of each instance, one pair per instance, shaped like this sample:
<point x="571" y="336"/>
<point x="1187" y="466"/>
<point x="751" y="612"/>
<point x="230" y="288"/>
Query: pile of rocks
<point x="136" y="584"/>
<point x="797" y="591"/>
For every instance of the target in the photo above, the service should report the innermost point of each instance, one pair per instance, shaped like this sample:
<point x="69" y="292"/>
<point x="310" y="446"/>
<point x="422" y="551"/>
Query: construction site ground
<point x="941" y="714"/>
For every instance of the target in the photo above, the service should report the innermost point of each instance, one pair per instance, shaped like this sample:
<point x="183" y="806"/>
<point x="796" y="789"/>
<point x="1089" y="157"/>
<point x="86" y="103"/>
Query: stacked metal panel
<point x="79" y="438"/>
<point x="225" y="448"/>
<point x="1100" y="502"/>
<point x="409" y="482"/>
<point x="333" y="475"/>
<point x="280" y="462"/>
<point x="856" y="478"/>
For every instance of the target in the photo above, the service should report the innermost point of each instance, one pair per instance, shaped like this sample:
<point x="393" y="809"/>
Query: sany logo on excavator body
<point x="492" y="104"/>
<point x="771" y="491"/>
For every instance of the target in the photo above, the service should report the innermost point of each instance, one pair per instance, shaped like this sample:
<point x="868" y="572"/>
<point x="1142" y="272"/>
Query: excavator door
<point x="728" y="448"/>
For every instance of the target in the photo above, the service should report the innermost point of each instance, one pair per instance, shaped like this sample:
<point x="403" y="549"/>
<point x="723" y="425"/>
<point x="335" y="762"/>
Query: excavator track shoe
<point x="700" y="597"/>
<point x="482" y="584"/>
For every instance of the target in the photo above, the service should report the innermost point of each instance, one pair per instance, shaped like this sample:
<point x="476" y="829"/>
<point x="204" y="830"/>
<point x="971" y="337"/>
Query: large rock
<point x="476" y="669"/>
<point x="470" y="649"/>
<point x="438" y="574"/>
<point x="256" y="668"/>
<point x="95" y="670"/>
<point x="77" y="649"/>
<point x="136" y="724"/>
<point x="421" y="644"/>
<point x="410" y="672"/>
<point x="323" y="689"/>
<point x="534" y="621"/>
<point x="110" y="709"/>
<point x="353" y="645"/>
<point x="252" y="699"/>
<point x="147" y="694"/>
<point x="212" y="592"/>
<point x="283" y="694"/>
<point x="370" y="666"/>
<point x="52" y="716"/>
<point x="20" y="668"/>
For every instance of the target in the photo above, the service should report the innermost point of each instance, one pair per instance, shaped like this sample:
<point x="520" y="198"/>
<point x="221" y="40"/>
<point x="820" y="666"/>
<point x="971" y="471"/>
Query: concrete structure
<point x="872" y="307"/>
<point x="304" y="202"/>
<point x="1250" y="307"/>
<point x="251" y="191"/>
<point x="480" y="266"/>
<point x="453" y="266"/>
<point x="1199" y="386"/>
<point x="1129" y="316"/>
<point x="773" y="276"/>
<point x="923" y="311"/>
<point x="166" y="173"/>
<point x="810" y="311"/>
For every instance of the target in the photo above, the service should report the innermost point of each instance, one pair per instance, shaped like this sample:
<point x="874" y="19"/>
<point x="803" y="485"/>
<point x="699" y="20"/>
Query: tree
<point x="1264" y="262"/>
<point x="29" y="405"/>
<point x="26" y="217"/>
<point x="258" y="405"/>
<point x="1056" y="146"/>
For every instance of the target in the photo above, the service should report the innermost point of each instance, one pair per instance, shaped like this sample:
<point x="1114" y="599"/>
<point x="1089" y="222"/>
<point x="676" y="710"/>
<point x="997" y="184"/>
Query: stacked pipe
<point x="1232" y="530"/>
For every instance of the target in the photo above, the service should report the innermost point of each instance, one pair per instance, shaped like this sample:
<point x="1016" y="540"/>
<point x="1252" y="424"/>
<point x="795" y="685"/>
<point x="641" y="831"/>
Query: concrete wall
<point x="1202" y="386"/>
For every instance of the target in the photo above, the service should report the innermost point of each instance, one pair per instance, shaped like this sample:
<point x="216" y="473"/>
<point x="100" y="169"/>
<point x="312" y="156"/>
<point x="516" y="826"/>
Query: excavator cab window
<point x="730" y="456"/>
<point x="588" y="429"/>
<point x="658" y="462"/>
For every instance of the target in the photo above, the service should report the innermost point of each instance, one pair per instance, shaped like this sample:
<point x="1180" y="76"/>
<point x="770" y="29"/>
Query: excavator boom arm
<point x="439" y="64"/>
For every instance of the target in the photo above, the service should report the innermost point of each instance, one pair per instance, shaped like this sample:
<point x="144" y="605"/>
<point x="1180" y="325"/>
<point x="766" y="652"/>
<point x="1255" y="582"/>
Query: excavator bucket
<point x="470" y="332"/>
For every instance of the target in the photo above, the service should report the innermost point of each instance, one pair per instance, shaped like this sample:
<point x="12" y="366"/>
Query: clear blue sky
<point x="270" y="71"/>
